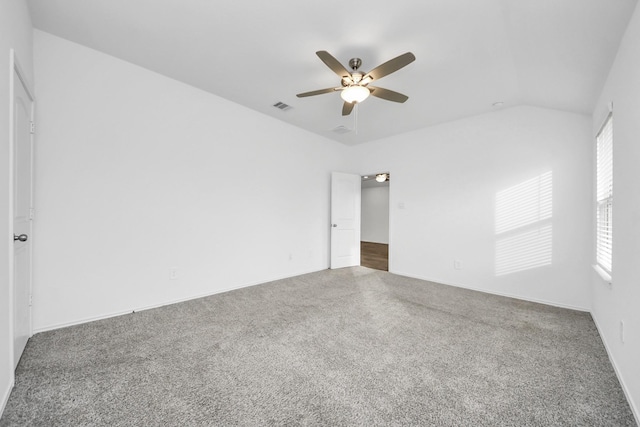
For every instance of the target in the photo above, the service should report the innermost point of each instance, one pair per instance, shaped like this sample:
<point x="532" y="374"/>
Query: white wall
<point x="448" y="176"/>
<point x="621" y="301"/>
<point x="15" y="33"/>
<point x="138" y="173"/>
<point x="375" y="214"/>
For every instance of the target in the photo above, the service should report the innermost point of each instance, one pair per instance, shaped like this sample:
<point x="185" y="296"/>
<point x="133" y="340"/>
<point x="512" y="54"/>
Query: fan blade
<point x="333" y="63"/>
<point x="387" y="94"/>
<point x="317" y="92"/>
<point x="347" y="107"/>
<point x="391" y="66"/>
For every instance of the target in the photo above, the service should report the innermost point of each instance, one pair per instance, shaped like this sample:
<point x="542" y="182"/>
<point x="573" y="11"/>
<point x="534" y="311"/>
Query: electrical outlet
<point x="622" y="331"/>
<point x="173" y="273"/>
<point x="457" y="264"/>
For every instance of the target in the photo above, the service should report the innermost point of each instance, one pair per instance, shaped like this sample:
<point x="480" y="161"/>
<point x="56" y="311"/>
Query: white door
<point x="345" y="219"/>
<point x="22" y="204"/>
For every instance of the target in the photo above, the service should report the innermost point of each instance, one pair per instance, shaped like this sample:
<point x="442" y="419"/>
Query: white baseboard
<point x="502" y="294"/>
<point x="162" y="304"/>
<point x="634" y="408"/>
<point x="5" y="396"/>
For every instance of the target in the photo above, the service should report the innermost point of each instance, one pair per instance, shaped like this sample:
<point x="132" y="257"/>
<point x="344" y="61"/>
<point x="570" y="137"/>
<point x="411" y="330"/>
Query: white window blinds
<point x="604" y="195"/>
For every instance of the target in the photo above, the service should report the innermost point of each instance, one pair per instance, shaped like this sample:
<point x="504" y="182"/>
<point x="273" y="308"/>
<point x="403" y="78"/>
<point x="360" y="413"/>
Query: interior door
<point x="22" y="208"/>
<point x="345" y="220"/>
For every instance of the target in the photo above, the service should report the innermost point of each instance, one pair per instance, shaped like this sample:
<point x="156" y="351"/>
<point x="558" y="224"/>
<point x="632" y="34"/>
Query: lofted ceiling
<point x="470" y="53"/>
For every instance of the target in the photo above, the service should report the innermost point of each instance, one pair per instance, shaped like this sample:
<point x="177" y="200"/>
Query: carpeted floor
<point x="339" y="347"/>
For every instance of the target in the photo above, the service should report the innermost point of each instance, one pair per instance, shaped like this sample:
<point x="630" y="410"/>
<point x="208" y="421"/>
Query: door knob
<point x="334" y="225"/>
<point x="22" y="237"/>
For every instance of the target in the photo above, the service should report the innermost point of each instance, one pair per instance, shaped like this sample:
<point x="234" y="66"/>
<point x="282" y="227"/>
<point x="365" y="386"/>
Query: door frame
<point x="390" y="237"/>
<point x="17" y="70"/>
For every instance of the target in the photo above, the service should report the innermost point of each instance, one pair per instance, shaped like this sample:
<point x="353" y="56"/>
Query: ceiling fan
<point x="354" y="85"/>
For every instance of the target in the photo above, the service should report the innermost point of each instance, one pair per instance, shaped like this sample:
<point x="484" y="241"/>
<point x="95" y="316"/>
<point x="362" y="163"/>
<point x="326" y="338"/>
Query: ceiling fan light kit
<point x="354" y="84"/>
<point x="381" y="177"/>
<point x="355" y="93"/>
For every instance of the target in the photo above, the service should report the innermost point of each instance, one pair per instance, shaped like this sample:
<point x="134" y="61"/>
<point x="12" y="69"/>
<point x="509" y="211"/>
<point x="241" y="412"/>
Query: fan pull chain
<point x="355" y="117"/>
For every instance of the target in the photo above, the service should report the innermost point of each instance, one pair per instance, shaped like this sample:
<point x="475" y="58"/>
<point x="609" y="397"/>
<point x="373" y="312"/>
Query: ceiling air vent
<point x="341" y="129"/>
<point x="282" y="106"/>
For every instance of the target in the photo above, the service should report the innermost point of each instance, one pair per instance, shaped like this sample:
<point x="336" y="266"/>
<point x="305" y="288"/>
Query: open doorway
<point x="374" y="228"/>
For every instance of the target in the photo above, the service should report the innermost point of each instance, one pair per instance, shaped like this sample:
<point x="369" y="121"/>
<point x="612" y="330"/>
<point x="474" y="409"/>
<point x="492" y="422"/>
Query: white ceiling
<point x="470" y="53"/>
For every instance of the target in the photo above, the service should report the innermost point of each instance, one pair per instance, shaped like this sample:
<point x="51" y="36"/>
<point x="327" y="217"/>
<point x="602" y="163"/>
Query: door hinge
<point x="32" y="213"/>
<point x="33" y="127"/>
<point x="30" y="299"/>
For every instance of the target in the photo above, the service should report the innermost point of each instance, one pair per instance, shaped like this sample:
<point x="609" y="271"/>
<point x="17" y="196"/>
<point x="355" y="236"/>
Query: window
<point x="604" y="195"/>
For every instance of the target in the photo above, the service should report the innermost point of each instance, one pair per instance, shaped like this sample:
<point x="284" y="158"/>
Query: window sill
<point x="603" y="274"/>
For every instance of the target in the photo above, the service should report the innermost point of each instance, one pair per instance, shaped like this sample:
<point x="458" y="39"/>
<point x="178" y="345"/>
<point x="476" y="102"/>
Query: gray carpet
<point x="343" y="347"/>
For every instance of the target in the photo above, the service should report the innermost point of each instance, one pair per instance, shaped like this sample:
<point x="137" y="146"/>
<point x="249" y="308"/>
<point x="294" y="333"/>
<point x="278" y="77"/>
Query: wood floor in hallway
<point x="374" y="255"/>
